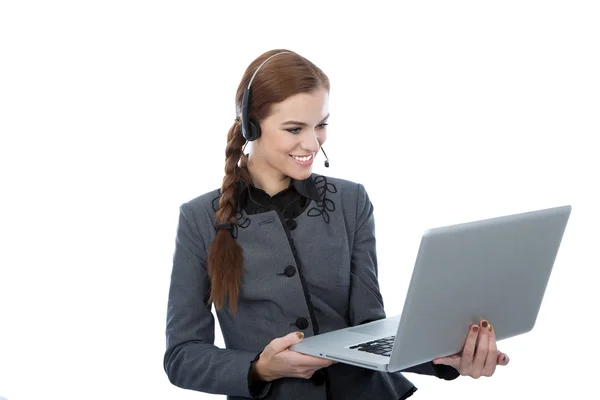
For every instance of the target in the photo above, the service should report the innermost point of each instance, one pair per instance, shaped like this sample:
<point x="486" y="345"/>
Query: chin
<point x="300" y="175"/>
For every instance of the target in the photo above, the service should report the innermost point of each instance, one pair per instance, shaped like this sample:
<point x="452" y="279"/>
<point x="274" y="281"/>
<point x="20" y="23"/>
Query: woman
<point x="283" y="253"/>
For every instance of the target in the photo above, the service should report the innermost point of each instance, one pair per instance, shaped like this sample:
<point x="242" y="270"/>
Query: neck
<point x="266" y="179"/>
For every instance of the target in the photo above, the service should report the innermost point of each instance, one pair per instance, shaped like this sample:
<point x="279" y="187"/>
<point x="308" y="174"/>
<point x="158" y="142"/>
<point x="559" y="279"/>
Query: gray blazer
<point x="330" y="283"/>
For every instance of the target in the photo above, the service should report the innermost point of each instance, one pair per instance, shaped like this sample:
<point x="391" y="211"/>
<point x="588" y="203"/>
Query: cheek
<point x="285" y="146"/>
<point x="322" y="136"/>
<point x="274" y="144"/>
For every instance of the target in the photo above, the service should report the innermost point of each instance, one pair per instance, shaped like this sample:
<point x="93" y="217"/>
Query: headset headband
<point x="251" y="129"/>
<point x="263" y="63"/>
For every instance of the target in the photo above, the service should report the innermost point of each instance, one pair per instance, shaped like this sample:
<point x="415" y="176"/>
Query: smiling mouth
<point x="302" y="158"/>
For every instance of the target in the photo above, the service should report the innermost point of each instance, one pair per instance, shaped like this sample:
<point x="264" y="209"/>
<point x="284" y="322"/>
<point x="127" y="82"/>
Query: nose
<point x="310" y="142"/>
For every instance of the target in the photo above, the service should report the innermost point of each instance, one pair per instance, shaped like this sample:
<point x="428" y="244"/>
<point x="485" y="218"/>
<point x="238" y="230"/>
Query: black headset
<point x="251" y="127"/>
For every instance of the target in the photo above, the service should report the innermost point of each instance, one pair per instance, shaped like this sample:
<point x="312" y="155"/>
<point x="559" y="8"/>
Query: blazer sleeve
<point x="191" y="360"/>
<point x="366" y="302"/>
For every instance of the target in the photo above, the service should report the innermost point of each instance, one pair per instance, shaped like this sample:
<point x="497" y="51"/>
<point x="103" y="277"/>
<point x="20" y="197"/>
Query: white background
<point x="113" y="113"/>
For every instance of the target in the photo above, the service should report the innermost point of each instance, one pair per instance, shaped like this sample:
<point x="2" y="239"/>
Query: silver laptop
<point x="495" y="269"/>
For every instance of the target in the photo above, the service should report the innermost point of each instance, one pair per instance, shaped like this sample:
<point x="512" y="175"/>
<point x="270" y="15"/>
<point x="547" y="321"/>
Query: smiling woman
<point x="280" y="252"/>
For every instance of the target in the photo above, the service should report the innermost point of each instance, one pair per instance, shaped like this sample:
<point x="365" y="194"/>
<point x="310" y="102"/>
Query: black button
<point x="289" y="271"/>
<point x="301" y="323"/>
<point x="292" y="224"/>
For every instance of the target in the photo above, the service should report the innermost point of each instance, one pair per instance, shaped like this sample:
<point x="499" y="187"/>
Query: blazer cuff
<point x="445" y="372"/>
<point x="258" y="389"/>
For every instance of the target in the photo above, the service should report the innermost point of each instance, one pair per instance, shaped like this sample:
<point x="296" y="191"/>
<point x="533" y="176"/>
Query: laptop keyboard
<point x="382" y="346"/>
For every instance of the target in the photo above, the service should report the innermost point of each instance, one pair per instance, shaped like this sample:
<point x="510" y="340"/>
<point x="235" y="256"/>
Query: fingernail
<point x="484" y="324"/>
<point x="505" y="358"/>
<point x="475" y="328"/>
<point x="490" y="327"/>
<point x="300" y="335"/>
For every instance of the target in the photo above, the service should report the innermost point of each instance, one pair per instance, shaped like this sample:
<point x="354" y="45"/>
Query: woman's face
<point x="292" y="135"/>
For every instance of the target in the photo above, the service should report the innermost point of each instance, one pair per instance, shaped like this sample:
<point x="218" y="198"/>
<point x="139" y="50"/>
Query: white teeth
<point x="302" y="159"/>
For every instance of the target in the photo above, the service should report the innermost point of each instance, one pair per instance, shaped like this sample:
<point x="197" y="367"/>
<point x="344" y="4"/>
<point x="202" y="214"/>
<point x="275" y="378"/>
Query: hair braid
<point x="225" y="259"/>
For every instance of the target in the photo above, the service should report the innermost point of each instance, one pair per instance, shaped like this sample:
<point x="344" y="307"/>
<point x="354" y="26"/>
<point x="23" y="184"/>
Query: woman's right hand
<point x="277" y="361"/>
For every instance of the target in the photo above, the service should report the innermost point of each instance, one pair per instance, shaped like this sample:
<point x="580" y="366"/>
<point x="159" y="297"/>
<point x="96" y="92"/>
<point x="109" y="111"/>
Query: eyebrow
<point x="302" y="123"/>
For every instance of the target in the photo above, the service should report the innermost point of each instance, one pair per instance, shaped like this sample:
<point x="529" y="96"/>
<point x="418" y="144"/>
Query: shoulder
<point x="208" y="200"/>
<point x="203" y="206"/>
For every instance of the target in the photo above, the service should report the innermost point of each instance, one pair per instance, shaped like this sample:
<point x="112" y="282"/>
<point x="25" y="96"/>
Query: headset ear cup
<point x="254" y="130"/>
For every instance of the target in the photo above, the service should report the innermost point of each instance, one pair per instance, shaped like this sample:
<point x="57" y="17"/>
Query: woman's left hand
<point x="479" y="356"/>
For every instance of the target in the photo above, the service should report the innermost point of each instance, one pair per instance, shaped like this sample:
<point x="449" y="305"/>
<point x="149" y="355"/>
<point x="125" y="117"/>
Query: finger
<point x="503" y="359"/>
<point x="305" y="361"/>
<point x="441" y="360"/>
<point x="491" y="360"/>
<point x="466" y="360"/>
<point x="482" y="350"/>
<point x="280" y="344"/>
<point x="314" y="362"/>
